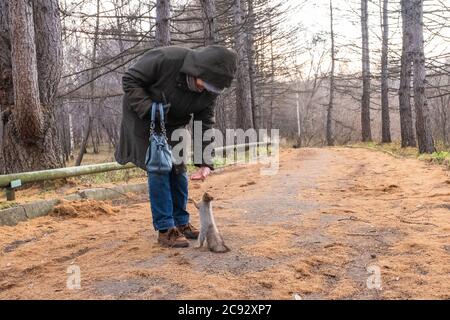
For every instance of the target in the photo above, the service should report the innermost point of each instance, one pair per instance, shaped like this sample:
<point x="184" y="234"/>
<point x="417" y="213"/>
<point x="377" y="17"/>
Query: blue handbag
<point x="159" y="155"/>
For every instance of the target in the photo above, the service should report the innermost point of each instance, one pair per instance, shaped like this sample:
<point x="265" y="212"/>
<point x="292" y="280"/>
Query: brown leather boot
<point x="173" y="238"/>
<point x="189" y="231"/>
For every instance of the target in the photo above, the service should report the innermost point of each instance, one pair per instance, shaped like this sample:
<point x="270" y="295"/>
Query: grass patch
<point x="441" y="157"/>
<point x="394" y="148"/>
<point x="110" y="176"/>
<point x="7" y="204"/>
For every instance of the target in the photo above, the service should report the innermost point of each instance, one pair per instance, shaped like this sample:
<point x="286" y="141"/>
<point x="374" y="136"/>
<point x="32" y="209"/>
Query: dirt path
<point x="314" y="229"/>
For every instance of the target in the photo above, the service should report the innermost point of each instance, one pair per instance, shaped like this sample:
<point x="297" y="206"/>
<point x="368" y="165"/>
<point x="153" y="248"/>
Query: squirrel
<point x="208" y="227"/>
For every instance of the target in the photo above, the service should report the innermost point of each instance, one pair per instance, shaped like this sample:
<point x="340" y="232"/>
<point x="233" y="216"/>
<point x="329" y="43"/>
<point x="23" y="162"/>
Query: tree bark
<point x="6" y="86"/>
<point x="209" y="21"/>
<point x="385" y="119"/>
<point x="30" y="139"/>
<point x="297" y="114"/>
<point x="119" y="4"/>
<point x="443" y="111"/>
<point x="63" y="119"/>
<point x="210" y="38"/>
<point x="162" y="35"/>
<point x="27" y="107"/>
<point x="244" y="116"/>
<point x="272" y="77"/>
<point x="365" y="103"/>
<point x="50" y="57"/>
<point x="404" y="91"/>
<point x="329" y="132"/>
<point x="423" y="121"/>
<point x="250" y="47"/>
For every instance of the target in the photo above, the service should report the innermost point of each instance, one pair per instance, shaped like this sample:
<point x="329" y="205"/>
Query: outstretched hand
<point x="201" y="173"/>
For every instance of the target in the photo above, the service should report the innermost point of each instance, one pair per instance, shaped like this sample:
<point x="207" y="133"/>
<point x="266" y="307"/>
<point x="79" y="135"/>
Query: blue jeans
<point x="168" y="199"/>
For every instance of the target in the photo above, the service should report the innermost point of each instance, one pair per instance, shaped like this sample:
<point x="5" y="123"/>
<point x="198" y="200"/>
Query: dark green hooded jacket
<point x="160" y="76"/>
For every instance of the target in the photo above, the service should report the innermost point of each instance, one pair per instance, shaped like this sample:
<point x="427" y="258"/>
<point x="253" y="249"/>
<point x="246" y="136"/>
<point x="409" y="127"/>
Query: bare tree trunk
<point x="92" y="102"/>
<point x="272" y="78"/>
<point x="209" y="22"/>
<point x="210" y="38"/>
<point x="385" y="119"/>
<point x="244" y="117"/>
<point x="443" y="112"/>
<point x="86" y="132"/>
<point x="30" y="140"/>
<point x="27" y="106"/>
<point x="423" y="121"/>
<point x="49" y="51"/>
<point x="96" y="136"/>
<point x="329" y="133"/>
<point x="6" y="86"/>
<point x="95" y="140"/>
<point x="220" y="113"/>
<point x="404" y="92"/>
<point x="260" y="65"/>
<point x="162" y="36"/>
<point x="62" y="114"/>
<point x="365" y="104"/>
<point x="71" y="137"/>
<point x="111" y="131"/>
<point x="119" y="4"/>
<point x="444" y="109"/>
<point x="250" y="47"/>
<point x="62" y="128"/>
<point x="47" y="21"/>
<point x="297" y="110"/>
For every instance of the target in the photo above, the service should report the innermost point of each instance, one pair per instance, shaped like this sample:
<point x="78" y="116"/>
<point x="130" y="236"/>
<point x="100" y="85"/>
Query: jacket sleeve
<point x="206" y="116"/>
<point x="138" y="78"/>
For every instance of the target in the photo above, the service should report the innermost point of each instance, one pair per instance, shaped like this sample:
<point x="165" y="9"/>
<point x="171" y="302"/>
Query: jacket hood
<point x="214" y="64"/>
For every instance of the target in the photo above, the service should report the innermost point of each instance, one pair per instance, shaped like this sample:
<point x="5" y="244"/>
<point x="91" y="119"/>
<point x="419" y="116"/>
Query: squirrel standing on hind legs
<point x="208" y="227"/>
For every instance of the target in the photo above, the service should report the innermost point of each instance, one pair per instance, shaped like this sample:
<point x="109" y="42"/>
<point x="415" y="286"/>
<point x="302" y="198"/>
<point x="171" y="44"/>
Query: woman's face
<point x="200" y="84"/>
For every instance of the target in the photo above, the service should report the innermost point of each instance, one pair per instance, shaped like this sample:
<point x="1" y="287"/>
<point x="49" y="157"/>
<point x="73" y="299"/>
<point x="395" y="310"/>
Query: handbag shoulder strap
<point x="161" y="112"/>
<point x="153" y="112"/>
<point x="152" y="117"/>
<point x="160" y="107"/>
<point x="161" y="118"/>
